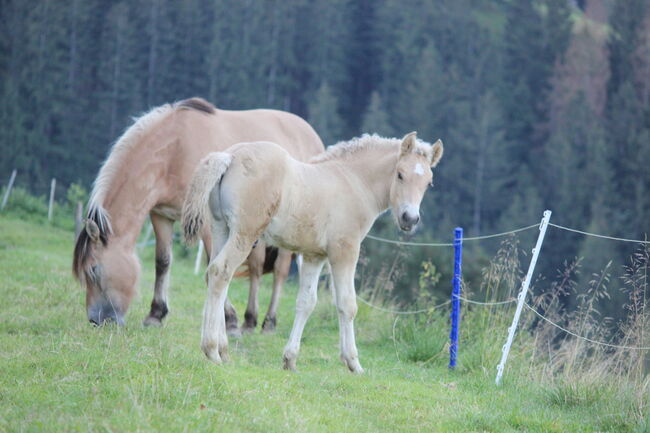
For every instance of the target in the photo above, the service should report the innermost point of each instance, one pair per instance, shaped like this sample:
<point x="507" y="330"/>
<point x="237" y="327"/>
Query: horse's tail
<point x="207" y="175"/>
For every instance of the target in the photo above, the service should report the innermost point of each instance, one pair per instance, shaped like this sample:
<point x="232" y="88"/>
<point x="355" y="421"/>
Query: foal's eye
<point x="399" y="175"/>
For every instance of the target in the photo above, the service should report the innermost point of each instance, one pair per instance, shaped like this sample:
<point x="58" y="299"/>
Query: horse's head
<point x="108" y="270"/>
<point x="411" y="178"/>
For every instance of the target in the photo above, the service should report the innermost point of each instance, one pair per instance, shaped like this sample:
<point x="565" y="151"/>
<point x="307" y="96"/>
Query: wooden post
<point x="78" y="219"/>
<point x="50" y="208"/>
<point x="8" y="191"/>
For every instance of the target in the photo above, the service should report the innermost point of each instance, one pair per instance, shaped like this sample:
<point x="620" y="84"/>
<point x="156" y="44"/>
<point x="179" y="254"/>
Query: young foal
<point x="322" y="209"/>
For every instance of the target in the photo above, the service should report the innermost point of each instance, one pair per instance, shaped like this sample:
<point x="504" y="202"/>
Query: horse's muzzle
<point x="103" y="311"/>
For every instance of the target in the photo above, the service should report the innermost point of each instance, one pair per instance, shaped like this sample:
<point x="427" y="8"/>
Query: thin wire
<point x="495" y="235"/>
<point x="580" y="336"/>
<point x="469" y="301"/>
<point x="442" y="244"/>
<point x="597" y="235"/>
<point x="386" y="310"/>
<point x="415" y="244"/>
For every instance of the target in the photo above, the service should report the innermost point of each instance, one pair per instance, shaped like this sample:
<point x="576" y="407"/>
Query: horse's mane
<point x="118" y="154"/>
<point x="345" y="149"/>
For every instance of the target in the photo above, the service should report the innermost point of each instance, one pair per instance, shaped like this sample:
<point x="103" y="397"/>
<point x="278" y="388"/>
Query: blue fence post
<point x="455" y="296"/>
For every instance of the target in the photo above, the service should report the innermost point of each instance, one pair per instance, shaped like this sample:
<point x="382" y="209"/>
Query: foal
<point x="322" y="209"/>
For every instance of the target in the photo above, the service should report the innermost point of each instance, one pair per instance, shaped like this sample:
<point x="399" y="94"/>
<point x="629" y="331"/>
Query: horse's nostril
<point x="405" y="217"/>
<point x="416" y="219"/>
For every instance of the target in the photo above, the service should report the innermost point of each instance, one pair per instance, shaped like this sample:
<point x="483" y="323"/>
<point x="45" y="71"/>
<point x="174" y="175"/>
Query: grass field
<point x="58" y="373"/>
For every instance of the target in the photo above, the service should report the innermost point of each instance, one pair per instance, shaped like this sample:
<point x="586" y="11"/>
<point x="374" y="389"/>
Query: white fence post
<point x="8" y="191"/>
<point x="522" y="295"/>
<point x="51" y="205"/>
<point x="199" y="255"/>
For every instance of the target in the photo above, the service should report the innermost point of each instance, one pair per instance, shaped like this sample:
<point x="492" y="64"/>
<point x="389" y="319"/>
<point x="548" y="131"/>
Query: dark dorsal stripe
<point x="198" y="104"/>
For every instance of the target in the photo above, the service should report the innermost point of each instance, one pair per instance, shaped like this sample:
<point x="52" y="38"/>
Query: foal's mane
<point x="110" y="169"/>
<point x="346" y="149"/>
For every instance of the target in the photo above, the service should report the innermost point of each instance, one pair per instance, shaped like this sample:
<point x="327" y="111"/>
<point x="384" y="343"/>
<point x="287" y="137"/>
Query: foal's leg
<point x="305" y="304"/>
<point x="163" y="229"/>
<point x="255" y="269"/>
<point x="214" y="341"/>
<point x="207" y="236"/>
<point x="346" y="304"/>
<point x="280" y="274"/>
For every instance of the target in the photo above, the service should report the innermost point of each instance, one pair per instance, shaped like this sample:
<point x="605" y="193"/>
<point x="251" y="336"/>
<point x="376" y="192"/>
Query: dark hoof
<point x="250" y="322"/>
<point x="152" y="321"/>
<point x="234" y="332"/>
<point x="268" y="325"/>
<point x="246" y="329"/>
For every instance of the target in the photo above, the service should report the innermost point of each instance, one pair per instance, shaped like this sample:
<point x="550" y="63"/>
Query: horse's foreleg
<point x="346" y="304"/>
<point x="214" y="340"/>
<point x="305" y="304"/>
<point x="163" y="229"/>
<point x="280" y="274"/>
<point x="255" y="269"/>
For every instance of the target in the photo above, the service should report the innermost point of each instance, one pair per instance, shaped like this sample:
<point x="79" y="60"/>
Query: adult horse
<point x="146" y="174"/>
<point x="322" y="209"/>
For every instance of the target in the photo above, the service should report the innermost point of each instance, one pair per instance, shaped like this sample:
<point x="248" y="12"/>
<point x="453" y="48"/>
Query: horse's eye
<point x="399" y="176"/>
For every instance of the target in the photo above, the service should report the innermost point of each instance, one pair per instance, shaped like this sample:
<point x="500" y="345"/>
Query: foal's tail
<point x="195" y="207"/>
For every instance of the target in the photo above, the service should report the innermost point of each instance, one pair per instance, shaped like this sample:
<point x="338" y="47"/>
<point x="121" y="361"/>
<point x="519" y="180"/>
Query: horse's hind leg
<point x="163" y="229"/>
<point x="214" y="341"/>
<point x="255" y="269"/>
<point x="280" y="274"/>
<point x="305" y="304"/>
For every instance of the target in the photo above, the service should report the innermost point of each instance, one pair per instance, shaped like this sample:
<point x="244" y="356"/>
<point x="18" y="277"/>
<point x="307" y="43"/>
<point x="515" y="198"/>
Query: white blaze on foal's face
<point x="412" y="177"/>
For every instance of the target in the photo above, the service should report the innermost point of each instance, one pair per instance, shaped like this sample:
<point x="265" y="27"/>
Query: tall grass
<point x="572" y="371"/>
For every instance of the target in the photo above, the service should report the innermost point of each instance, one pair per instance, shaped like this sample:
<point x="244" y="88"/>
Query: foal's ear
<point x="408" y="143"/>
<point x="92" y="230"/>
<point x="436" y="152"/>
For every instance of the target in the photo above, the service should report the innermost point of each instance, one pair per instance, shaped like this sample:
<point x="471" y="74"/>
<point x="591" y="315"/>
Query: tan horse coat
<point x="322" y="209"/>
<point x="147" y="174"/>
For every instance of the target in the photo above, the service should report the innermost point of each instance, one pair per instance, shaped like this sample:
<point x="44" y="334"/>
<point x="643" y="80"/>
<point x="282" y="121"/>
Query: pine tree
<point x="323" y="115"/>
<point x="376" y="120"/>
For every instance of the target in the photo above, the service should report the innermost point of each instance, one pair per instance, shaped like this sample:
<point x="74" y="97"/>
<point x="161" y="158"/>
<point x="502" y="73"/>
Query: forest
<point x="541" y="104"/>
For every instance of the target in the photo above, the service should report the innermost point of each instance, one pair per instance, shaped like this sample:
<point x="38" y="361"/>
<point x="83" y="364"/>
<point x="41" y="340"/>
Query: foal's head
<point x="411" y="178"/>
<point x="108" y="270"/>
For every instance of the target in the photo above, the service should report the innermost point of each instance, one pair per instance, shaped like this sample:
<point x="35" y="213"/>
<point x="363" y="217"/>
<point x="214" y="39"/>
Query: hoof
<point x="354" y="366"/>
<point x="234" y="332"/>
<point x="152" y="321"/>
<point x="268" y="325"/>
<point x="246" y="329"/>
<point x="289" y="363"/>
<point x="250" y="322"/>
<point x="218" y="356"/>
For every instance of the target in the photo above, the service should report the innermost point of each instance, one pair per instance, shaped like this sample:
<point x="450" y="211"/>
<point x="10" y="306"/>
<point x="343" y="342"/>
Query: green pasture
<point x="58" y="373"/>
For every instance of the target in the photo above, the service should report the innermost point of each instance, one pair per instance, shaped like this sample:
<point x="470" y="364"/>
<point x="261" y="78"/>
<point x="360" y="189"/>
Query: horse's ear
<point x="408" y="143"/>
<point x="92" y="230"/>
<point x="436" y="152"/>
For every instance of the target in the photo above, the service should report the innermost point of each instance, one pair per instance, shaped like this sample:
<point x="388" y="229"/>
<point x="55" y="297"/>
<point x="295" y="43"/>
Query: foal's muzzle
<point x="103" y="311"/>
<point x="407" y="221"/>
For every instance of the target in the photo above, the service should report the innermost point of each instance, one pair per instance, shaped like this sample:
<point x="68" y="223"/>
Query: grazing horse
<point x="322" y="209"/>
<point x="147" y="173"/>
